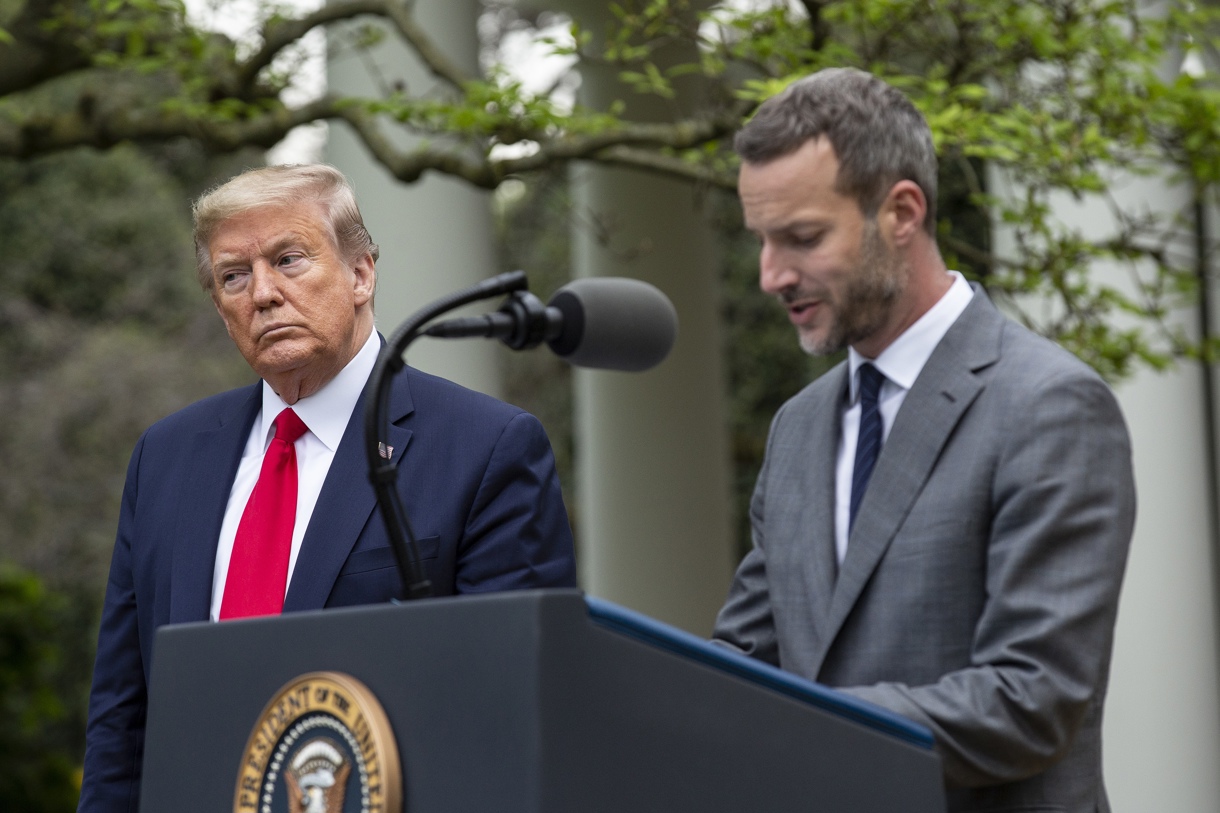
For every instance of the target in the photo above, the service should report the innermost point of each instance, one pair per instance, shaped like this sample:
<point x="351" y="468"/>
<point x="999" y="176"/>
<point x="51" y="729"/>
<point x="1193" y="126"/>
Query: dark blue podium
<point x="537" y="701"/>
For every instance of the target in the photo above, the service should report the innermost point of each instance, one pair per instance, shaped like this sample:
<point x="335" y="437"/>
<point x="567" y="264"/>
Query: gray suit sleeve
<point x="745" y="623"/>
<point x="1063" y="506"/>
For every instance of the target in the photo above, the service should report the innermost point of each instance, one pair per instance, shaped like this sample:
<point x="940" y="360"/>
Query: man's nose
<point x="266" y="285"/>
<point x="775" y="274"/>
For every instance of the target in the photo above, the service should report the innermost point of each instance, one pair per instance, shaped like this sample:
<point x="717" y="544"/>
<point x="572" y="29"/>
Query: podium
<point x="536" y="701"/>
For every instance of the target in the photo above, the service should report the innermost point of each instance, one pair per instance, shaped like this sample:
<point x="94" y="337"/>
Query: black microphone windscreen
<point x="614" y="323"/>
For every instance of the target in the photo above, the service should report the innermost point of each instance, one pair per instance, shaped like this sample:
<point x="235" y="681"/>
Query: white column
<point x="652" y="449"/>
<point x="652" y="453"/>
<point x="436" y="235"/>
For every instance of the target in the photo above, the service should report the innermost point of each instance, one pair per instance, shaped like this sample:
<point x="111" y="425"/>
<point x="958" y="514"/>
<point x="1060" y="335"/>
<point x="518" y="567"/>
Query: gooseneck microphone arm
<point x="383" y="472"/>
<point x="521" y="323"/>
<point x="607" y="323"/>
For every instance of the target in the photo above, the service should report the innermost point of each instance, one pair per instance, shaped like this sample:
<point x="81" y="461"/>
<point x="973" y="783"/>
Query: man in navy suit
<point x="284" y="254"/>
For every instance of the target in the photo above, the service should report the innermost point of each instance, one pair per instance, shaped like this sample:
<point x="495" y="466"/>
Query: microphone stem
<point x="383" y="472"/>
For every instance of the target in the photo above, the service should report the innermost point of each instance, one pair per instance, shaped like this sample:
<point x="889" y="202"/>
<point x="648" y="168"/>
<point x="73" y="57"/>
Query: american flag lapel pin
<point x="385" y="451"/>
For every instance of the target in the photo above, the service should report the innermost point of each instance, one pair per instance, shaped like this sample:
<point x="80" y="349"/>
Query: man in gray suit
<point x="941" y="523"/>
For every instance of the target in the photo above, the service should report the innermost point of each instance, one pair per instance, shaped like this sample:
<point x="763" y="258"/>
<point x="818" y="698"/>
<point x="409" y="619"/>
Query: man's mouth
<point x="275" y="331"/>
<point x="802" y="311"/>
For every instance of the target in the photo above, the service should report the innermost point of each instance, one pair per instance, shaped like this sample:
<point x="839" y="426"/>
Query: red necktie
<point x="258" y="568"/>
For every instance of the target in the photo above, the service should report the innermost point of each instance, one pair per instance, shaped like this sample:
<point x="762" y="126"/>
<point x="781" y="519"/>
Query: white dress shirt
<point x="326" y="413"/>
<point x="901" y="364"/>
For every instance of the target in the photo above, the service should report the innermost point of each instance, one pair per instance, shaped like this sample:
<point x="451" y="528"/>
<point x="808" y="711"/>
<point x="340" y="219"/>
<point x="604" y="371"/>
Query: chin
<point x="278" y="360"/>
<point x="820" y="343"/>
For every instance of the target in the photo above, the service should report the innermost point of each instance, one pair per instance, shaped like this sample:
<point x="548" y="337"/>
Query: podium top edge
<point x="656" y="633"/>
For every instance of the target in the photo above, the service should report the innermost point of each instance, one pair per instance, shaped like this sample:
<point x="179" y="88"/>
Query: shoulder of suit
<point x="207" y="412"/>
<point x="1029" y="354"/>
<point x="1000" y="350"/>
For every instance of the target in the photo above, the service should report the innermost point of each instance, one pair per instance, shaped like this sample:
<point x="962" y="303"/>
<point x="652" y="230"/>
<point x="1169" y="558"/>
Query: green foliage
<point x="1041" y="106"/>
<point x="70" y="257"/>
<point x="39" y="773"/>
<point x="103" y="330"/>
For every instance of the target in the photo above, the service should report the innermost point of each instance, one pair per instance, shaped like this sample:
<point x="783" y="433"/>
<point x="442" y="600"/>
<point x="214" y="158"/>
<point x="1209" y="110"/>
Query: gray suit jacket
<point x="981" y="581"/>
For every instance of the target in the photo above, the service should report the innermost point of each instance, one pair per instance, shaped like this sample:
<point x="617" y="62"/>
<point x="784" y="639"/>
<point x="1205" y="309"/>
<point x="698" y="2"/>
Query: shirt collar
<point x="328" y="411"/>
<point x="903" y="360"/>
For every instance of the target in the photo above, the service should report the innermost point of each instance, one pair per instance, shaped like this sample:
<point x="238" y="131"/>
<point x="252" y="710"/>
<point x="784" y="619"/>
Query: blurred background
<point x="1079" y="159"/>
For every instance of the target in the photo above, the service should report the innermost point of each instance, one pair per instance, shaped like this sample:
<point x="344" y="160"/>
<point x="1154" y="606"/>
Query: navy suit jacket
<point x="478" y="481"/>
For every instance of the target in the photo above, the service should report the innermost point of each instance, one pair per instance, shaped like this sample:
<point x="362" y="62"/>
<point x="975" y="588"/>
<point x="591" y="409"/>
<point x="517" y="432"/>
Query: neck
<point x="292" y="389"/>
<point x="928" y="280"/>
<point x="293" y="385"/>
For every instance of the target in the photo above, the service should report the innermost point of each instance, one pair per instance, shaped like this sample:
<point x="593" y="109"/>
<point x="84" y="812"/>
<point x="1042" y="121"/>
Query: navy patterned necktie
<point x="868" y="443"/>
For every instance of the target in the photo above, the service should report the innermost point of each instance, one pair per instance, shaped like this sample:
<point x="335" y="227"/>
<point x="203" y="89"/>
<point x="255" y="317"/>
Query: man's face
<point x="829" y="265"/>
<point x="297" y="310"/>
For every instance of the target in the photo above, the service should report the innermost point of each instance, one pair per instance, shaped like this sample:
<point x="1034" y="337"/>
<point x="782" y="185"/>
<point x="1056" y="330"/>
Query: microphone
<point x="615" y="324"/>
<point x="609" y="323"/>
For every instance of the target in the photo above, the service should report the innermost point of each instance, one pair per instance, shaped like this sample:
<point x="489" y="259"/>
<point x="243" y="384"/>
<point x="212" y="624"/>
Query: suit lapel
<point x="944" y="390"/>
<point x="344" y="505"/>
<point x="815" y="524"/>
<point x="213" y="456"/>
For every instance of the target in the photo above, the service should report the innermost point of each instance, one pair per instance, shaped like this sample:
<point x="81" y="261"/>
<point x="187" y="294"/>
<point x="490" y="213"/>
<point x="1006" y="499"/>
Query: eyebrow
<point x="804" y="224"/>
<point x="274" y="247"/>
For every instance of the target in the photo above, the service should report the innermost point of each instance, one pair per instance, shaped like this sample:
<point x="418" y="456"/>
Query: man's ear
<point x="904" y="209"/>
<point x="364" y="272"/>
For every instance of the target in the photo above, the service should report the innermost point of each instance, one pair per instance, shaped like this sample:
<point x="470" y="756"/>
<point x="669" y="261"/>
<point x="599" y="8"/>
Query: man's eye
<point x="289" y="259"/>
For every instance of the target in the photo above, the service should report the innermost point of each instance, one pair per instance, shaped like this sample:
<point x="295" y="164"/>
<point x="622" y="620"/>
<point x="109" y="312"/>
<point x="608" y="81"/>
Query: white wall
<point x="1162" y="727"/>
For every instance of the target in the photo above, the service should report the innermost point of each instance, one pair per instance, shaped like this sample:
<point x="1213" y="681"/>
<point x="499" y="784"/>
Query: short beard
<point x="879" y="279"/>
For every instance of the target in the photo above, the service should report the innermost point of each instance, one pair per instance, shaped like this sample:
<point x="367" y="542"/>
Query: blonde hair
<point x="285" y="185"/>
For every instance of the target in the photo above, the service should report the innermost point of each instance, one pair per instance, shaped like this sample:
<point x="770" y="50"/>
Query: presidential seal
<point x="322" y="745"/>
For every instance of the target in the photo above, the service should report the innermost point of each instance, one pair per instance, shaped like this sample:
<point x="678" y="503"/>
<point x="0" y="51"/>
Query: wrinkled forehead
<point x="272" y="223"/>
<point x="264" y="235"/>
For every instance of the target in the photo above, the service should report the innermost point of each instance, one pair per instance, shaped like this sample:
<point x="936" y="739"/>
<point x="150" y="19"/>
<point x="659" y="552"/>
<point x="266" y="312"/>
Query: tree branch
<point x="624" y="145"/>
<point x="36" y="53"/>
<point x="399" y="12"/>
<point x="407" y="165"/>
<point x="85" y="126"/>
<point x="280" y="34"/>
<point x="977" y="255"/>
<point x="656" y="162"/>
<point x="819" y="31"/>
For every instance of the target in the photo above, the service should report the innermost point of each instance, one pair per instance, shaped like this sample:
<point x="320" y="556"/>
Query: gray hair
<point x="286" y="185"/>
<point x="879" y="137"/>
